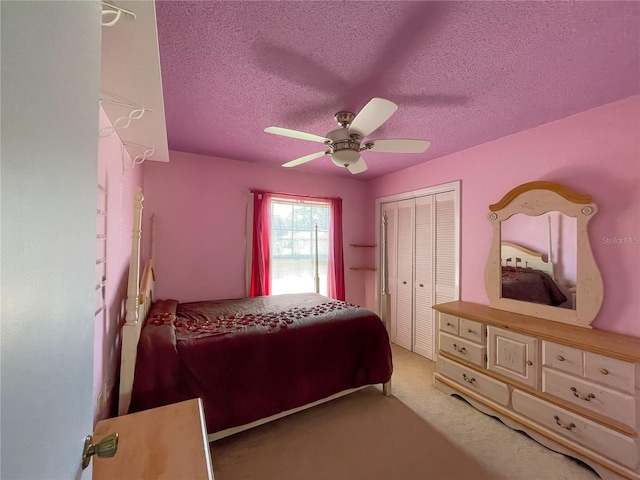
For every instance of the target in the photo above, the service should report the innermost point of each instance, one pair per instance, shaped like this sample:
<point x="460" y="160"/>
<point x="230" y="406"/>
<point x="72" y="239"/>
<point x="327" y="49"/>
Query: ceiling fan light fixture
<point x="345" y="157"/>
<point x="344" y="144"/>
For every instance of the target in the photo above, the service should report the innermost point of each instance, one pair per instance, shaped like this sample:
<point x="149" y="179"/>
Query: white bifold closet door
<point x="446" y="249"/>
<point x="423" y="278"/>
<point x="422" y="267"/>
<point x="404" y="281"/>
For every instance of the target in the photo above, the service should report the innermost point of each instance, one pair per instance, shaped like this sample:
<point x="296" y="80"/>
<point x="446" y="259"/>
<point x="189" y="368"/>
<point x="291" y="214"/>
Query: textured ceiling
<point x="462" y="73"/>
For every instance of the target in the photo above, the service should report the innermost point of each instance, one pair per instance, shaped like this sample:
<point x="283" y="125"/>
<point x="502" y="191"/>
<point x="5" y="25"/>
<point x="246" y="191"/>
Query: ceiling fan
<point x="345" y="143"/>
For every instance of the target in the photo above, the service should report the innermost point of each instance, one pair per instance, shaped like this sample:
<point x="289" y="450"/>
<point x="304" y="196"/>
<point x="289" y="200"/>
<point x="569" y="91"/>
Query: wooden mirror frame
<point x="538" y="198"/>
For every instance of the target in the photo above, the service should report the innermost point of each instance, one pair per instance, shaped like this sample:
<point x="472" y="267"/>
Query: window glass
<point x="293" y="245"/>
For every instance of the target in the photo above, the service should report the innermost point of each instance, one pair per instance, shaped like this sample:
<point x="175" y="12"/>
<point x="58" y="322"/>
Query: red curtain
<point x="260" y="250"/>
<point x="335" y="273"/>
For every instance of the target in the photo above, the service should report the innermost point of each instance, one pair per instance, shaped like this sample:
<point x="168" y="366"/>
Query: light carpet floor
<point x="418" y="433"/>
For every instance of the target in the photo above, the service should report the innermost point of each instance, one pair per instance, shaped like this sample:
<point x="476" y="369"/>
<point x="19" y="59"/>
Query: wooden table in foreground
<point x="168" y="442"/>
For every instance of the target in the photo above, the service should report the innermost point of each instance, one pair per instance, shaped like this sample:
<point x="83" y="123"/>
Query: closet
<point x="420" y="263"/>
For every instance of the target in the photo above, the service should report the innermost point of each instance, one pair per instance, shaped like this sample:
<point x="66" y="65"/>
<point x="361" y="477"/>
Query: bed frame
<point x="512" y="255"/>
<point x="140" y="297"/>
<point x="139" y="300"/>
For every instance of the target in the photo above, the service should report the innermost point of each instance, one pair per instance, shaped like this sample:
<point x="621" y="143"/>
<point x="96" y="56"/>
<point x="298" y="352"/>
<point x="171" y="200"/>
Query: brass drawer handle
<point x="449" y="324"/>
<point x="459" y="349"/>
<point x="561" y="358"/>
<point x="529" y="362"/>
<point x="604" y="371"/>
<point x="571" y="426"/>
<point x="469" y="330"/>
<point x="586" y="398"/>
<point x="467" y="379"/>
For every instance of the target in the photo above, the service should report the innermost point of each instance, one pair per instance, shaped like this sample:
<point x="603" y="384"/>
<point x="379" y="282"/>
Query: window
<point x="295" y="219"/>
<point x="293" y="245"/>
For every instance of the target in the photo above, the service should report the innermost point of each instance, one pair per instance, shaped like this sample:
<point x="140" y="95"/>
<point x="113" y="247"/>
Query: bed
<point x="251" y="360"/>
<point x="528" y="277"/>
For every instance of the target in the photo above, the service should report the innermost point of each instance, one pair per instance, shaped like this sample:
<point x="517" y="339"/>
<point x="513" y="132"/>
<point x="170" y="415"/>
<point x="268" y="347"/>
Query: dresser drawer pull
<point x="529" y="362"/>
<point x="459" y="349"/>
<point x="571" y="426"/>
<point x="449" y="324"/>
<point x="469" y="330"/>
<point x="560" y="358"/>
<point x="604" y="371"/>
<point x="467" y="379"/>
<point x="586" y="398"/>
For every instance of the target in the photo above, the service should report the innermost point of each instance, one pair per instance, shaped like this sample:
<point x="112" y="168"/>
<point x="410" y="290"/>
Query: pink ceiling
<point x="462" y="73"/>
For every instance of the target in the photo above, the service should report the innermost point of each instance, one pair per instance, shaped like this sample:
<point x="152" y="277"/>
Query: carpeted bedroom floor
<point x="418" y="433"/>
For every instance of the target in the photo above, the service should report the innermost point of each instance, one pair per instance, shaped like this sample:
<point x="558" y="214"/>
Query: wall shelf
<point x="131" y="46"/>
<point x="363" y="245"/>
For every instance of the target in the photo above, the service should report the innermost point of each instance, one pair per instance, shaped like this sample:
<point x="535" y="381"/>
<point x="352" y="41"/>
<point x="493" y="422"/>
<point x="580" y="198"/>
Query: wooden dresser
<point x="167" y="442"/>
<point x="576" y="390"/>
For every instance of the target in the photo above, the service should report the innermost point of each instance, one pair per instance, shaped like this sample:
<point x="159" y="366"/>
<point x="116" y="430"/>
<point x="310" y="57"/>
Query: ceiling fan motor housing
<point x="345" y="150"/>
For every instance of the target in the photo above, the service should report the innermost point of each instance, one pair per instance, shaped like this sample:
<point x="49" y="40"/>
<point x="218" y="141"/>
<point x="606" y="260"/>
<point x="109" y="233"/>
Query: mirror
<point x="539" y="259"/>
<point x="540" y="262"/>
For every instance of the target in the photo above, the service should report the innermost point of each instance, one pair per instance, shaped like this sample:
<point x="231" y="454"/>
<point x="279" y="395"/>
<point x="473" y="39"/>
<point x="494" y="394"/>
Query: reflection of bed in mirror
<point x="529" y="277"/>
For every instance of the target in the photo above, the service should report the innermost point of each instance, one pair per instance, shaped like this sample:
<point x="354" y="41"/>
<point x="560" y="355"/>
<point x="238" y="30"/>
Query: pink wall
<point x="200" y="207"/>
<point x="596" y="152"/>
<point x="119" y="207"/>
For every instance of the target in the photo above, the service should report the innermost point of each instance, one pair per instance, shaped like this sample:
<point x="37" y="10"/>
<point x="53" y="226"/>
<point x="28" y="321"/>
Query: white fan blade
<point x="286" y="132"/>
<point x="301" y="160"/>
<point x="358" y="167"/>
<point x="374" y="114"/>
<point x="399" y="145"/>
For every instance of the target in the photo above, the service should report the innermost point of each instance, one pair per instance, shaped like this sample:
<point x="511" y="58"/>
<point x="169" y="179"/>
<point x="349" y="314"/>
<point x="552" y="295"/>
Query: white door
<point x="50" y="91"/>
<point x="404" y="281"/>
<point x="423" y="284"/>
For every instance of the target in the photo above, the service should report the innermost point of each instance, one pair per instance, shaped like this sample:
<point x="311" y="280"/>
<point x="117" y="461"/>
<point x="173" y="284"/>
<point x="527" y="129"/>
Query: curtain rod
<point x="257" y="190"/>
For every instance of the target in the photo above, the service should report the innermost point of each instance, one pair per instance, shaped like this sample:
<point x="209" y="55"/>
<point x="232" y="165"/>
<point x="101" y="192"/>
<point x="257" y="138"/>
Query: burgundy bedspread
<point x="252" y="358"/>
<point x="530" y="285"/>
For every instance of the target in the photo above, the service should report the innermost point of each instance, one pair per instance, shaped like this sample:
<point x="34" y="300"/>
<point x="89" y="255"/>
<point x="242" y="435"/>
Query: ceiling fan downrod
<point x="344" y="118"/>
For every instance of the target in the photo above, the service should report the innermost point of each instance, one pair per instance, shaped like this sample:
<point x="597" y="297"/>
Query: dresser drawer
<point x="449" y="323"/>
<point x="597" y="398"/>
<point x="562" y="357"/>
<point x="473" y="380"/>
<point x="464" y="349"/>
<point x="610" y="371"/>
<point x="614" y="445"/>
<point x="473" y="331"/>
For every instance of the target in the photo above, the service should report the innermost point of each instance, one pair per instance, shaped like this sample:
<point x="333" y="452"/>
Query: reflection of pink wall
<point x="596" y="152"/>
<point x="200" y="206"/>
<point x="533" y="233"/>
<point x="120" y="191"/>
